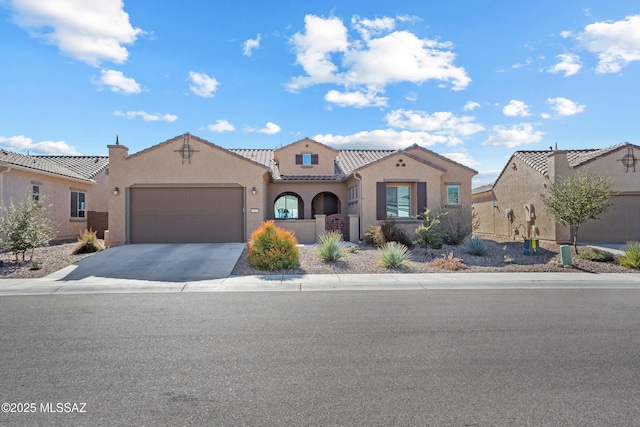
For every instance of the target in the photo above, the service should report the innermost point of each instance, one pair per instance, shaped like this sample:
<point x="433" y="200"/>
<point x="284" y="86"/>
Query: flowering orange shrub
<point x="272" y="248"/>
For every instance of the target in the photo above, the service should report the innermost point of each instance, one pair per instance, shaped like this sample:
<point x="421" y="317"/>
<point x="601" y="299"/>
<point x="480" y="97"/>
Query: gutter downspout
<point x="2" y="172"/>
<point x="355" y="175"/>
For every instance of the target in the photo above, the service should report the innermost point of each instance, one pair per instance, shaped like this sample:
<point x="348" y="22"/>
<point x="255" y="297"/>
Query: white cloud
<point x="328" y="54"/>
<point x="221" y="126"/>
<point x="382" y="139"/>
<point x="146" y="116"/>
<point x="485" y="177"/>
<point x="569" y="64"/>
<point x="117" y="82"/>
<point x="516" y="109"/>
<point x="443" y="124"/>
<point x="270" y="129"/>
<point x="355" y="99"/>
<point x="411" y="96"/>
<point x="545" y="115"/>
<point x="526" y="63"/>
<point x="91" y="31"/>
<point x="616" y="43"/>
<point x="471" y="105"/>
<point x="250" y="45"/>
<point x="22" y="143"/>
<point x="565" y="107"/>
<point x="462" y="157"/>
<point x="202" y="85"/>
<point x="523" y="133"/>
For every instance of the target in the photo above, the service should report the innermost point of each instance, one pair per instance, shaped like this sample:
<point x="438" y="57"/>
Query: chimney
<point x="557" y="165"/>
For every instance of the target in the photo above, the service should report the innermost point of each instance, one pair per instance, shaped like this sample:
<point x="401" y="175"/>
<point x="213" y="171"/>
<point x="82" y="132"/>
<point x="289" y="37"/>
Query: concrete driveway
<point x="157" y="262"/>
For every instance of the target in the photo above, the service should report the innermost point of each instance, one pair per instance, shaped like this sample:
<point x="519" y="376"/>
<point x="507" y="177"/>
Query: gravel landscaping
<point x="361" y="261"/>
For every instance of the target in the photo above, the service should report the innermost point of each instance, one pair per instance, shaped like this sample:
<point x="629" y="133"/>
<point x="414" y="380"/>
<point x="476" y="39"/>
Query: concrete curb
<point x="325" y="282"/>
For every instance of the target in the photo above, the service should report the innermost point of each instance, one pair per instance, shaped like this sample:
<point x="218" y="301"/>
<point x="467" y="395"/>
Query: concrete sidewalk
<point x="325" y="282"/>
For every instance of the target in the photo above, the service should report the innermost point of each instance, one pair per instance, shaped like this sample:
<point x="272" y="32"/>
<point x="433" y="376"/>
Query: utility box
<point x="565" y="254"/>
<point x="531" y="246"/>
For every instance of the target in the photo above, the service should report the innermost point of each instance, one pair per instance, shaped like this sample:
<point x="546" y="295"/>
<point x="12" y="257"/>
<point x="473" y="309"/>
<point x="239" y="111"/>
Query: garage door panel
<point x="619" y="225"/>
<point x="183" y="215"/>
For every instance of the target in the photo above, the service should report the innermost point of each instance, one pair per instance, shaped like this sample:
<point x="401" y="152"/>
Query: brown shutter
<point x="381" y="200"/>
<point x="298" y="159"/>
<point x="422" y="197"/>
<point x="314" y="159"/>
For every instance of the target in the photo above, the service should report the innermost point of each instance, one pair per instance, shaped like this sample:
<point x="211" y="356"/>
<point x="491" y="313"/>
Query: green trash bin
<point x="565" y="254"/>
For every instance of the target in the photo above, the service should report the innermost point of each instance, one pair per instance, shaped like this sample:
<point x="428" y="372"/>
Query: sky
<point x="471" y="80"/>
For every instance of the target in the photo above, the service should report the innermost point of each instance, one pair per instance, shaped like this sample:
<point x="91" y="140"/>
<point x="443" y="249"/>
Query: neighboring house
<point x="187" y="189"/>
<point x="75" y="186"/>
<point x="514" y="201"/>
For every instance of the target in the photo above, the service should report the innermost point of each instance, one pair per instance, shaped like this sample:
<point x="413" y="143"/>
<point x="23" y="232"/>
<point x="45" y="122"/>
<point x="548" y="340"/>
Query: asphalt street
<point x="429" y="357"/>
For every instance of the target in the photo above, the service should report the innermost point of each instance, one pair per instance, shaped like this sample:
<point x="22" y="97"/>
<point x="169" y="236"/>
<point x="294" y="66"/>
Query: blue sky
<point x="471" y="80"/>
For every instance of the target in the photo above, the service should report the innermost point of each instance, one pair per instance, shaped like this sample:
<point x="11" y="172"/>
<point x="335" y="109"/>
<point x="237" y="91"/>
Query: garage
<point x="621" y="224"/>
<point x="186" y="215"/>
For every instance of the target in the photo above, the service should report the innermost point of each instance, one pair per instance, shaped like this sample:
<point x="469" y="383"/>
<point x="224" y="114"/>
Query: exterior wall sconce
<point x="116" y="191"/>
<point x="254" y="191"/>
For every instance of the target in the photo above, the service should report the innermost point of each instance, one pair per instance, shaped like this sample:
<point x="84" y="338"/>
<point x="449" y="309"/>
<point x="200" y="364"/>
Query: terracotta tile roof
<point x="350" y="160"/>
<point x="482" y="189"/>
<point x="83" y="168"/>
<point x="539" y="159"/>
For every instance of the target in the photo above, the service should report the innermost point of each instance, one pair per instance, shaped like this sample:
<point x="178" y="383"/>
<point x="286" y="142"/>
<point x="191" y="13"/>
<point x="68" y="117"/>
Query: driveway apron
<point x="158" y="262"/>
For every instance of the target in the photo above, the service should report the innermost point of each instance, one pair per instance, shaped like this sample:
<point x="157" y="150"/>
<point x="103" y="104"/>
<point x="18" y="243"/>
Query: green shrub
<point x="25" y="227"/>
<point x="374" y="236"/>
<point x="330" y="248"/>
<point x="394" y="255"/>
<point x="592" y="254"/>
<point x="393" y="232"/>
<point x="428" y="234"/>
<point x="87" y="243"/>
<point x="448" y="262"/>
<point x="631" y="257"/>
<point x="476" y="245"/>
<point x="272" y="248"/>
<point x="457" y="224"/>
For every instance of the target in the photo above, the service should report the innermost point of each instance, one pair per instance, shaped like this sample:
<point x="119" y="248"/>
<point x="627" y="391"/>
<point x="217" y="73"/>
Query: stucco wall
<point x="307" y="191"/>
<point x="17" y="184"/>
<point x="286" y="158"/>
<point x="163" y="165"/>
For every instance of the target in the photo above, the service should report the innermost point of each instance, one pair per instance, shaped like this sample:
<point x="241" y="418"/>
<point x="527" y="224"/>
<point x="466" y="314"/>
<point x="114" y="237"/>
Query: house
<point x="75" y="186"/>
<point x="514" y="201"/>
<point x="187" y="189"/>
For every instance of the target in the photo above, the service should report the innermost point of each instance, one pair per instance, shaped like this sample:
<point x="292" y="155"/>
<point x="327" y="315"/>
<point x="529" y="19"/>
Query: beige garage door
<point x="620" y="225"/>
<point x="186" y="215"/>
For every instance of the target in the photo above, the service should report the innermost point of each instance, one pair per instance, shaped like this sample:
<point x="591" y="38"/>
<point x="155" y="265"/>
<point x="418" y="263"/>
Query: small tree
<point x="25" y="227"/>
<point x="428" y="234"/>
<point x="577" y="198"/>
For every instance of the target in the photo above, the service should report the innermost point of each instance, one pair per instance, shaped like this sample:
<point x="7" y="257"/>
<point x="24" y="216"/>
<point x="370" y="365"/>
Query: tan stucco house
<point x="514" y="201"/>
<point x="75" y="186"/>
<point x="187" y="189"/>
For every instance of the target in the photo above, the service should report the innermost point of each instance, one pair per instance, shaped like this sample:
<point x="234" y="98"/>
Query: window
<point x="36" y="193"/>
<point x="453" y="194"/>
<point x="352" y="193"/>
<point x="286" y="207"/>
<point x="77" y="204"/>
<point x="398" y="201"/>
<point x="306" y="159"/>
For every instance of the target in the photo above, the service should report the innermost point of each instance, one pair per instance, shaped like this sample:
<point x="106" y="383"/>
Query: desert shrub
<point x="394" y="255"/>
<point x="476" y="245"/>
<point x="457" y="224"/>
<point x="374" y="236"/>
<point x="393" y="232"/>
<point x="87" y="243"/>
<point x="25" y="227"/>
<point x="428" y="234"/>
<point x="448" y="262"/>
<point x="631" y="257"/>
<point x="272" y="248"/>
<point x="330" y="248"/>
<point x="592" y="254"/>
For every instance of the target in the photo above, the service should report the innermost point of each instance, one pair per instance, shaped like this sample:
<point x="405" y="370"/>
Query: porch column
<point x="354" y="228"/>
<point x="320" y="225"/>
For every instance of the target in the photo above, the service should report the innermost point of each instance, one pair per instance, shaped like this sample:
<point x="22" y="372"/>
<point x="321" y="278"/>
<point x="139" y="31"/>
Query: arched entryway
<point x="325" y="203"/>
